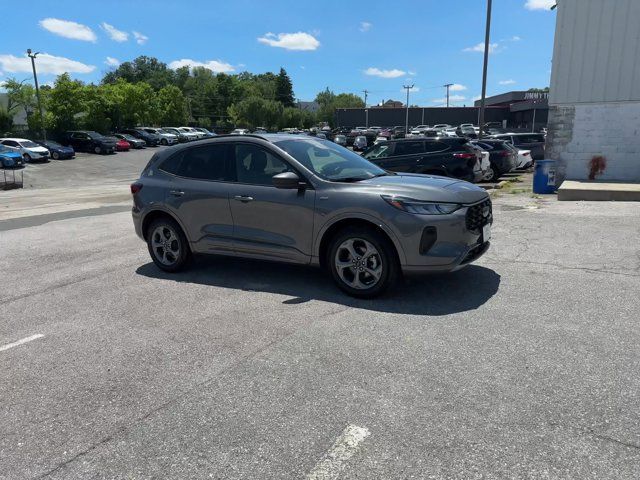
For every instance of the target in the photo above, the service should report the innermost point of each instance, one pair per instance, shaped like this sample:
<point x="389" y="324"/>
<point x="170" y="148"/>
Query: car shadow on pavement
<point x="437" y="294"/>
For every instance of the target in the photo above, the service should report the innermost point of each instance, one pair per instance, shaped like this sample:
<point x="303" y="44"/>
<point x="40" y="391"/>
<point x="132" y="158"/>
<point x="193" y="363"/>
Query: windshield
<point x="29" y="144"/>
<point x="94" y="134"/>
<point x="53" y="144"/>
<point x="330" y="161"/>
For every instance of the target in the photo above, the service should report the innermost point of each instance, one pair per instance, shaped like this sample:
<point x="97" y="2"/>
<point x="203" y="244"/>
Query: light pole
<point x="33" y="56"/>
<point x="447" y="86"/>
<point x="484" y="69"/>
<point x="406" y="125"/>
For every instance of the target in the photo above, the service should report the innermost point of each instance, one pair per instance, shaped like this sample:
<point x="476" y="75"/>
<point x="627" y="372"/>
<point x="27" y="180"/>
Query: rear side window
<point x="433" y="147"/>
<point x="203" y="163"/>
<point x="408" y="148"/>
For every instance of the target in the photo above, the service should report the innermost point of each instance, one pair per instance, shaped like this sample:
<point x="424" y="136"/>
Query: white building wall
<point x="594" y="100"/>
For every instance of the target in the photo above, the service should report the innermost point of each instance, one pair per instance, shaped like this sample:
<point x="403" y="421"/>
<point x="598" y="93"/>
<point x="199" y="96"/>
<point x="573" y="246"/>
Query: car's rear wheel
<point x="363" y="262"/>
<point x="492" y="174"/>
<point x="168" y="245"/>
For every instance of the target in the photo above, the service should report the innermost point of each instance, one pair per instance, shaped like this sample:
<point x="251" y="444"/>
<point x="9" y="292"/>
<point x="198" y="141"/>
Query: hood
<point x="429" y="188"/>
<point x="39" y="149"/>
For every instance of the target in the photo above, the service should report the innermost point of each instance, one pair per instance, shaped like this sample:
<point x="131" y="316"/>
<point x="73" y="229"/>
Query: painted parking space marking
<point x="21" y="342"/>
<point x="345" y="447"/>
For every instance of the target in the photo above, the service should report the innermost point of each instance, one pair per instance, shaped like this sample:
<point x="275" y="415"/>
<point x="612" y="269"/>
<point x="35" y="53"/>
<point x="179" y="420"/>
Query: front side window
<point x="255" y="165"/>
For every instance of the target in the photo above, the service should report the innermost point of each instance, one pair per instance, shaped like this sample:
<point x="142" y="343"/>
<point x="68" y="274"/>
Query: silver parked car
<point x="360" y="143"/>
<point x="300" y="199"/>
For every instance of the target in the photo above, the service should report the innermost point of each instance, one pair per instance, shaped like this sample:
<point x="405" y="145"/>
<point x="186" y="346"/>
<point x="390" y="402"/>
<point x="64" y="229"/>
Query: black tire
<point x="182" y="258"/>
<point x="97" y="150"/>
<point x="164" y="142"/>
<point x="26" y="157"/>
<point x="55" y="155"/>
<point x="493" y="174"/>
<point x="389" y="261"/>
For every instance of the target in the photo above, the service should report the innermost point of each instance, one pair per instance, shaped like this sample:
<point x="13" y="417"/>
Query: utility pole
<point x="406" y="125"/>
<point x="366" y="93"/>
<point x="447" y="86"/>
<point x="33" y="56"/>
<point x="487" y="35"/>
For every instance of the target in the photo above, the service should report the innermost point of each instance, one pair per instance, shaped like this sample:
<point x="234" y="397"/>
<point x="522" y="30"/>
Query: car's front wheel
<point x="97" y="149"/>
<point x="26" y="157"/>
<point x="168" y="245"/>
<point x="164" y="142"/>
<point x="363" y="262"/>
<point x="55" y="155"/>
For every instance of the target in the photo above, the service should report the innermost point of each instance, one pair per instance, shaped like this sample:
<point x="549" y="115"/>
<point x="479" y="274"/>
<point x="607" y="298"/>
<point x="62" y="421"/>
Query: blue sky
<point x="344" y="45"/>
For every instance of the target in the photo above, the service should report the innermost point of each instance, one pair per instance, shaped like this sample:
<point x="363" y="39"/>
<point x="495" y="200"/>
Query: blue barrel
<point x="544" y="176"/>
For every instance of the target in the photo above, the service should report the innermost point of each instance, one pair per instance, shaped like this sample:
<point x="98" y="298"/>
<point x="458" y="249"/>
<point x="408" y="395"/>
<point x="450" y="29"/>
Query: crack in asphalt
<point x="563" y="267"/>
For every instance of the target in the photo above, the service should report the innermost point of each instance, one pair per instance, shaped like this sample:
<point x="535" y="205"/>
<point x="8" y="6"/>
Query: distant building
<point x="19" y="117"/>
<point x="527" y="110"/>
<point x="391" y="104"/>
<point x="594" y="101"/>
<point x="308" y="106"/>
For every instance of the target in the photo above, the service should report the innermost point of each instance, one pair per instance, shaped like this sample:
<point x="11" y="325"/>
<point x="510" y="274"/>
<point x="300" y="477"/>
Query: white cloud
<point x="539" y="4"/>
<point x="376" y="72"/>
<point x="45" y="63"/>
<point x="452" y="98"/>
<point x="112" y="62"/>
<point x="216" y="66"/>
<point x="480" y="48"/>
<point x="115" y="34"/>
<point x="507" y="82"/>
<point x="67" y="29"/>
<point x="515" y="38"/>
<point x="140" y="38"/>
<point x="456" y="87"/>
<point x="365" y="26"/>
<point x="290" y="41"/>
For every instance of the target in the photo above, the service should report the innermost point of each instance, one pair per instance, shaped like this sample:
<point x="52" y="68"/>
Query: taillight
<point x="135" y="188"/>
<point x="525" y="154"/>
<point x="465" y="156"/>
<point x="504" y="153"/>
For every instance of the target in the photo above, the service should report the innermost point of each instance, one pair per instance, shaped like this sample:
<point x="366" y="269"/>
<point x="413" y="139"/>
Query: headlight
<point x="421" y="208"/>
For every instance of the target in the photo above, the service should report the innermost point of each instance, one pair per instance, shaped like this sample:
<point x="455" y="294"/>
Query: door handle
<point x="243" y="198"/>
<point x="176" y="193"/>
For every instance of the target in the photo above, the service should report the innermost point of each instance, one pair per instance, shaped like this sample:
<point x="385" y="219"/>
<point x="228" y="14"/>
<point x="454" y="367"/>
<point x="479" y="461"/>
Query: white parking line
<point x="21" y="342"/>
<point x="345" y="447"/>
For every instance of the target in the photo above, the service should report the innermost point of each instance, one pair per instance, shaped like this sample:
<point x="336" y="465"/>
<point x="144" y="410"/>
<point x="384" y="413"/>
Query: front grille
<point x="476" y="217"/>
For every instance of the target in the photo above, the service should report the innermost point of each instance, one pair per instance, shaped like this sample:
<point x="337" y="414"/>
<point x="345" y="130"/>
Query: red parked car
<point x="122" y="145"/>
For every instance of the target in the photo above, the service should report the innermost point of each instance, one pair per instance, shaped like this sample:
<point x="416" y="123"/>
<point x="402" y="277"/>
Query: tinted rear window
<point x="533" y="138"/>
<point x="204" y="163"/>
<point x="408" y="148"/>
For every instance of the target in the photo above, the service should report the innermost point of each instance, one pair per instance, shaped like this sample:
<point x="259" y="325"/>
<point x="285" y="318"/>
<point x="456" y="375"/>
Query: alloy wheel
<point x="165" y="245"/>
<point x="358" y="263"/>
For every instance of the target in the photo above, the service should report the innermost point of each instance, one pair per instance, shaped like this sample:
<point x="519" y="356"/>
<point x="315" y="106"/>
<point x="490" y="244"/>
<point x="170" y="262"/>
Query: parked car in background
<point x="483" y="165"/>
<point x="10" y="157"/>
<point x="165" y="138"/>
<point x="359" y="143"/>
<point x="241" y="131"/>
<point x="525" y="160"/>
<point x="150" y="139"/>
<point x="449" y="132"/>
<point x="195" y="132"/>
<point x="398" y="132"/>
<point x="340" y="140"/>
<point x="380" y="139"/>
<point x="134" y="142"/>
<point x="441" y="126"/>
<point x="526" y="141"/>
<point x="30" y="151"/>
<point x="182" y="138"/>
<point x="419" y="130"/>
<point x="370" y="225"/>
<point x="208" y="133"/>
<point x="90" y="141"/>
<point x="122" y="145"/>
<point x="56" y="150"/>
<point x="502" y="156"/>
<point x="466" y="130"/>
<point x="449" y="157"/>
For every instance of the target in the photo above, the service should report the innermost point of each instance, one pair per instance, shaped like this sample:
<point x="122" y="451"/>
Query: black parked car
<point x="56" y="150"/>
<point x="151" y="139"/>
<point x="135" y="143"/>
<point x="449" y="157"/>
<point x="89" y="141"/>
<point x="526" y="141"/>
<point x="502" y="155"/>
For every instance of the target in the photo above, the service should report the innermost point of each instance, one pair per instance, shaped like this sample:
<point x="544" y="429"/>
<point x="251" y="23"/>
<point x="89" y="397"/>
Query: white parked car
<point x="188" y="133"/>
<point x="196" y="132"/>
<point x="30" y="151"/>
<point x="419" y="130"/>
<point x="241" y="131"/>
<point x="441" y="126"/>
<point x="525" y="160"/>
<point x="166" y="138"/>
<point x="449" y="132"/>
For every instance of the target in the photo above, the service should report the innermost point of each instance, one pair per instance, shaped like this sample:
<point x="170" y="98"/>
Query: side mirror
<point x="286" y="180"/>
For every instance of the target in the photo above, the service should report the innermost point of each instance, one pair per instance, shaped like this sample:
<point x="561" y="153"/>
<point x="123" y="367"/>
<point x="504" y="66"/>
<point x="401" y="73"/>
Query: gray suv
<point x="305" y="200"/>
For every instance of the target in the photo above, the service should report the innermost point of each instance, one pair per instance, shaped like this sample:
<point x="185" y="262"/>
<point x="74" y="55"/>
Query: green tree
<point x="20" y="96"/>
<point x="65" y="103"/>
<point x="329" y="102"/>
<point x="171" y="107"/>
<point x="142" y="69"/>
<point x="6" y="121"/>
<point x="284" y="89"/>
<point x="255" y="112"/>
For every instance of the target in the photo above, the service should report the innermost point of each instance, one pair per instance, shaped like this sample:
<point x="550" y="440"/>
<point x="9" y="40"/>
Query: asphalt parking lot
<point x="524" y="365"/>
